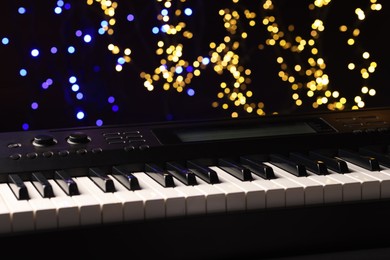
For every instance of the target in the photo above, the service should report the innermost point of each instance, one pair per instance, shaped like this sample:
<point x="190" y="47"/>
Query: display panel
<point x="197" y="135"/>
<point x="226" y="130"/>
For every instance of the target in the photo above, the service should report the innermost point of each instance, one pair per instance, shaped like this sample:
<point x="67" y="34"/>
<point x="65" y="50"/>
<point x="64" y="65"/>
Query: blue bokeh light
<point x="80" y="115"/>
<point x="35" y="52"/>
<point x="72" y="79"/>
<point x="71" y="49"/>
<point x="79" y="96"/>
<point x="99" y="122"/>
<point x="111" y="99"/>
<point x="87" y="38"/>
<point x="53" y="50"/>
<point x="23" y="72"/>
<point x="34" y="105"/>
<point x="58" y="10"/>
<point x="115" y="108"/>
<point x="5" y="41"/>
<point x="25" y="126"/>
<point x="130" y="17"/>
<point x="75" y="87"/>
<point x="188" y="11"/>
<point x="21" y="10"/>
<point x="190" y="92"/>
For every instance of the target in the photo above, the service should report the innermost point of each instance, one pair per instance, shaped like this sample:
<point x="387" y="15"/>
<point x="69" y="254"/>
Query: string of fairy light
<point x="307" y="81"/>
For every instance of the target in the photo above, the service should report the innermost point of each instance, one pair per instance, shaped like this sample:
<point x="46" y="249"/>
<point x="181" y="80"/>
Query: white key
<point x="385" y="170"/>
<point x="381" y="176"/>
<point x="235" y="197"/>
<point x="153" y="202"/>
<point x="294" y="193"/>
<point x="89" y="207"/>
<point x="67" y="209"/>
<point x="111" y="207"/>
<point x="45" y="213"/>
<point x="275" y="196"/>
<point x="370" y="186"/>
<point x="195" y="199"/>
<point x="333" y="190"/>
<point x="174" y="201"/>
<point x="133" y="205"/>
<point x="5" y="218"/>
<point x="351" y="187"/>
<point x="215" y="198"/>
<point x="313" y="191"/>
<point x="255" y="195"/>
<point x="22" y="214"/>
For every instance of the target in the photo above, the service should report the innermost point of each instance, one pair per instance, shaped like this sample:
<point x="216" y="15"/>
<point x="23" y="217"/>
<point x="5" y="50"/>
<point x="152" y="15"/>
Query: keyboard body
<point x="234" y="229"/>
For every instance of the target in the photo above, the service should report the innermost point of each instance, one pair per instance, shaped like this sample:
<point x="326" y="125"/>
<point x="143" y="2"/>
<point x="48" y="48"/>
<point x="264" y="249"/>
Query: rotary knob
<point x="44" y="140"/>
<point x="78" y="138"/>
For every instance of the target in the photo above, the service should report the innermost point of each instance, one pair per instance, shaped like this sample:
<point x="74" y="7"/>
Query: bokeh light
<point x="96" y="61"/>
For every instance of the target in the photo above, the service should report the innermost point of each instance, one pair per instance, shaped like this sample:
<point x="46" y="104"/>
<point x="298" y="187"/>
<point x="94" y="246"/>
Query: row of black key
<point x="68" y="185"/>
<point x="296" y="163"/>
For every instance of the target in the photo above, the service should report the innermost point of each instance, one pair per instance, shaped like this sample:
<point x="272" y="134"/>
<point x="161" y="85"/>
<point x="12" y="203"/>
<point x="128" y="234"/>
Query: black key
<point x="101" y="179"/>
<point x="328" y="157"/>
<point x="18" y="187"/>
<point x="258" y="167"/>
<point x="379" y="152"/>
<point x="181" y="172"/>
<point x="314" y="165"/>
<point x="234" y="168"/>
<point x="125" y="177"/>
<point x="42" y="185"/>
<point x="366" y="162"/>
<point x="67" y="184"/>
<point x="285" y="163"/>
<point x="203" y="171"/>
<point x="160" y="175"/>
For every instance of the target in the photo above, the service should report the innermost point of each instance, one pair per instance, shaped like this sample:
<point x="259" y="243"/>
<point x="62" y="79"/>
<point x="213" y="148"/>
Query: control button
<point x="111" y="134"/>
<point x="370" y="131"/>
<point x="117" y="142"/>
<point x="357" y="124"/>
<point x="136" y="140"/>
<point x="129" y="148"/>
<point x="47" y="154"/>
<point x="375" y="123"/>
<point x="63" y="153"/>
<point x="15" y="156"/>
<point x="132" y="133"/>
<point x="81" y="151"/>
<point x="14" y="145"/>
<point x="113" y="138"/>
<point x="32" y="155"/>
<point x="143" y="147"/>
<point x="357" y="131"/>
<point x="97" y="150"/>
<point x="44" y="140"/>
<point x="135" y="136"/>
<point x="383" y="129"/>
<point x="78" y="138"/>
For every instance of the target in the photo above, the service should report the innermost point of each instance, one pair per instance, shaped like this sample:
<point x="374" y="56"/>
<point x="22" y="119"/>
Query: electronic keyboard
<point x="209" y="188"/>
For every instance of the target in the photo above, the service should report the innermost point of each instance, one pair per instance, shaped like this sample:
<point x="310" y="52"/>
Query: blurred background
<point x="95" y="62"/>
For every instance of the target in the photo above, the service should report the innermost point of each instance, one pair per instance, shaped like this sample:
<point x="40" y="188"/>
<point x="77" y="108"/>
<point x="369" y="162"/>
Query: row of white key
<point x="93" y="206"/>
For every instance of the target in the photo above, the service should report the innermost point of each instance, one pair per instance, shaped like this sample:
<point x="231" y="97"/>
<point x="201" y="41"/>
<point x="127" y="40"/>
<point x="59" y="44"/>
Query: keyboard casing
<point x="255" y="234"/>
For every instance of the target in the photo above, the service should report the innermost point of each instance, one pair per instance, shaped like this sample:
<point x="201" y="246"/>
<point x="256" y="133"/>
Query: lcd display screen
<point x="224" y="133"/>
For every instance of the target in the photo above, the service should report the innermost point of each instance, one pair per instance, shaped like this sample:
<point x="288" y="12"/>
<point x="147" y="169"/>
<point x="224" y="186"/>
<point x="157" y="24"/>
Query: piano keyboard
<point x="69" y="179"/>
<point x="103" y="198"/>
